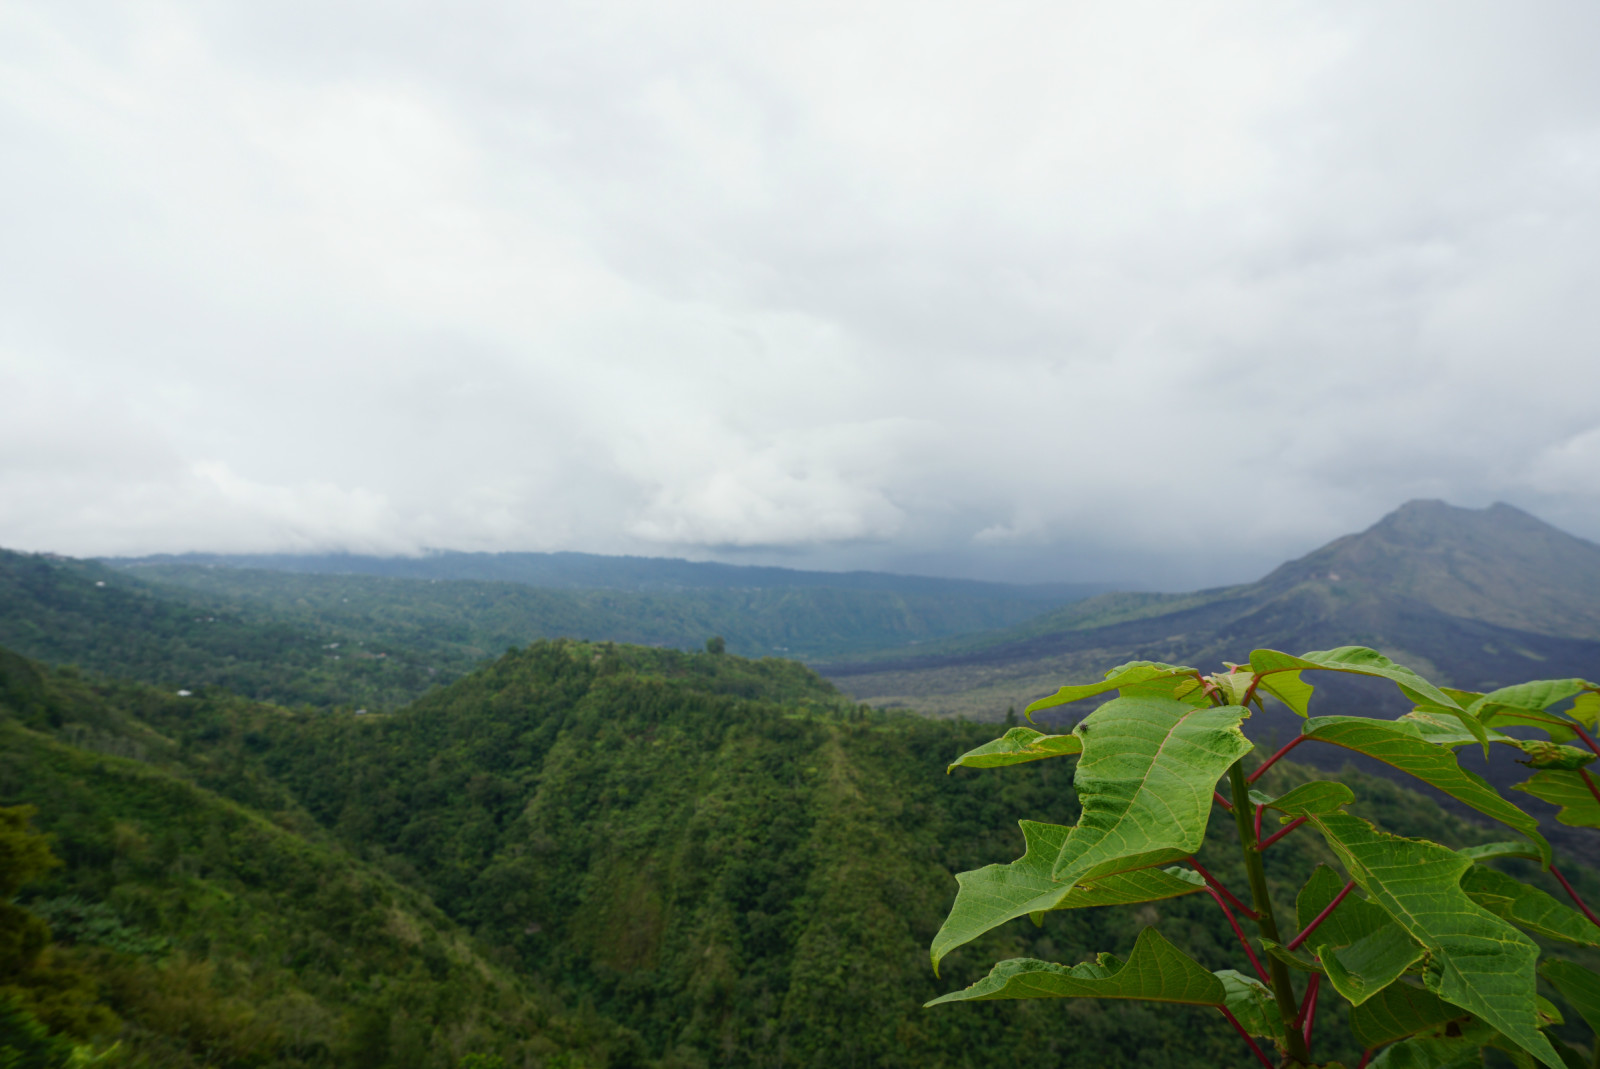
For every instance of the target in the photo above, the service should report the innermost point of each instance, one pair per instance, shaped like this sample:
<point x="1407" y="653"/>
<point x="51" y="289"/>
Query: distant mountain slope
<point x="1475" y="598"/>
<point x="378" y="642"/>
<point x="591" y="571"/>
<point x="473" y="618"/>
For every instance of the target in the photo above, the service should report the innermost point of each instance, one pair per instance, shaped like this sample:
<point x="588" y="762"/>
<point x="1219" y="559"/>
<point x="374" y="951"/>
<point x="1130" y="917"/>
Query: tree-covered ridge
<point x="693" y="860"/>
<point x="202" y="933"/>
<point x="476" y="617"/>
<point x="82" y="613"/>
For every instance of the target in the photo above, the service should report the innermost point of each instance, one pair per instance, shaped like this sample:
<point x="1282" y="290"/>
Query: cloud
<point x="1024" y="290"/>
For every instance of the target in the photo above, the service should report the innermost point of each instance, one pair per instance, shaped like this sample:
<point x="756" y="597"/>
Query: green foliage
<point x="1425" y="943"/>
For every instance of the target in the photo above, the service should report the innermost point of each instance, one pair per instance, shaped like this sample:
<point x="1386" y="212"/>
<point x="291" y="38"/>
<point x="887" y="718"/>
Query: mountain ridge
<point x="1477" y="597"/>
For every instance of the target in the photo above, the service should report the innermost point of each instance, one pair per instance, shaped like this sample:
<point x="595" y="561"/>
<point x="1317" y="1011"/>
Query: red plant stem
<point x="1305" y="1003"/>
<point x="1366" y="1056"/>
<point x="1223" y="802"/>
<point x="1285" y="748"/>
<point x="1285" y="830"/>
<point x="1588" y="781"/>
<point x="1294" y="944"/>
<point x="1310" y="1009"/>
<point x="1216" y="885"/>
<point x="1244" y="942"/>
<point x="1587" y="912"/>
<point x="1247" y="1037"/>
<point x="1259" y="810"/>
<point x="1584" y="735"/>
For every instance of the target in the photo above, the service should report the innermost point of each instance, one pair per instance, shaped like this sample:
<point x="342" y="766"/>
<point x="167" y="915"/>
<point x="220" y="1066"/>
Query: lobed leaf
<point x="991" y="896"/>
<point x="1146" y="777"/>
<point x="1400" y="744"/>
<point x="1579" y="986"/>
<point x="1527" y="907"/>
<point x="1398" y="1011"/>
<point x="1126" y="677"/>
<point x="1016" y="746"/>
<point x="1156" y="971"/>
<point x="1476" y="960"/>
<point x="1360" y="660"/>
<point x="1289" y="689"/>
<point x="1579" y="809"/>
<point x="1361" y="948"/>
<point x="1317" y="796"/>
<point x="1528" y="704"/>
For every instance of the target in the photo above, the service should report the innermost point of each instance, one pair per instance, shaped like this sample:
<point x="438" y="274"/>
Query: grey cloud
<point x="1015" y="290"/>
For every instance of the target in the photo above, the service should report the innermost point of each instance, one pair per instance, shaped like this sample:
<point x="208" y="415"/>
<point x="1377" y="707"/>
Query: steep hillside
<point x="210" y="932"/>
<point x="1474" y="598"/>
<point x="690" y="860"/>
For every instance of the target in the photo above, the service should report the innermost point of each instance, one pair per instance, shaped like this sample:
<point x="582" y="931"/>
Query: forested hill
<point x="377" y="642"/>
<point x="580" y="855"/>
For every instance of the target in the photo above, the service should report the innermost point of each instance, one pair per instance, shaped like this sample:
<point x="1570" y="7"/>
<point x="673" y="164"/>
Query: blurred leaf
<point x="1016" y="746"/>
<point x="1400" y="1010"/>
<point x="1567" y="790"/>
<point x="1126" y="677"/>
<point x="1156" y="971"/>
<point x="1528" y="907"/>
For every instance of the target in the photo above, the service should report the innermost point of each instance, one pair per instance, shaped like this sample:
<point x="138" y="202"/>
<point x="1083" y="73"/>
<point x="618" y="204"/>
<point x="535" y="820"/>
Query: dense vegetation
<point x="581" y="855"/>
<point x="473" y="617"/>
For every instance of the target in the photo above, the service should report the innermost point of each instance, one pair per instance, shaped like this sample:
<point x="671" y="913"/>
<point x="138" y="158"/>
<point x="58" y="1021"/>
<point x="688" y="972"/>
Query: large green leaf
<point x="995" y="894"/>
<point x="1133" y="677"/>
<point x="1317" y="796"/>
<point x="1476" y="960"/>
<point x="1360" y="660"/>
<point x="1400" y="744"/>
<point x="1400" y="1010"/>
<point x="1016" y="746"/>
<point x="1567" y="790"/>
<point x="1370" y="964"/>
<point x="1146" y="778"/>
<point x="1579" y="986"/>
<point x="1529" y="705"/>
<point x="1289" y="689"/>
<point x="1528" y="907"/>
<point x="1156" y="971"/>
<point x="1361" y="948"/>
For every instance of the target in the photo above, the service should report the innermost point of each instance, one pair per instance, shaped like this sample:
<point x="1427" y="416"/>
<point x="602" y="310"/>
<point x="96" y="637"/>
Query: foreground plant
<point x="1429" y="947"/>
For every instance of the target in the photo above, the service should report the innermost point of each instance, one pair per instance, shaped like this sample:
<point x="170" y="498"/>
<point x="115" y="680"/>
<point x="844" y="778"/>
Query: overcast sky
<point x="1157" y="292"/>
